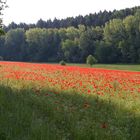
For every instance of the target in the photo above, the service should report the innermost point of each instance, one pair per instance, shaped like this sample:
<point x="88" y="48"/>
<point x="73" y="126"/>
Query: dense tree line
<point x="118" y="41"/>
<point x="96" y="19"/>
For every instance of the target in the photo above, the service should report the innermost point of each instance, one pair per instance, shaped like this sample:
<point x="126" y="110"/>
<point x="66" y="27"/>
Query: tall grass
<point x="25" y="115"/>
<point x="29" y="111"/>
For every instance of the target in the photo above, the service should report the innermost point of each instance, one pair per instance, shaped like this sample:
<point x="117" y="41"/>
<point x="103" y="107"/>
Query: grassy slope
<point x="67" y="116"/>
<point x="27" y="116"/>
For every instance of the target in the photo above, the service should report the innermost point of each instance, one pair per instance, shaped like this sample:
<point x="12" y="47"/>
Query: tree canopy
<point x="117" y="40"/>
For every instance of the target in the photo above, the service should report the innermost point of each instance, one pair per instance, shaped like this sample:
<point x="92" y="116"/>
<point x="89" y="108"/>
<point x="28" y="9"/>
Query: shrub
<point x="91" y="60"/>
<point x="62" y="62"/>
<point x="1" y="58"/>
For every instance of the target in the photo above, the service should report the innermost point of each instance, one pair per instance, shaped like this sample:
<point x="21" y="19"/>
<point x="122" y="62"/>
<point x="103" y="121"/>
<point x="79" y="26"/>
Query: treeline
<point x="96" y="19"/>
<point x="118" y="41"/>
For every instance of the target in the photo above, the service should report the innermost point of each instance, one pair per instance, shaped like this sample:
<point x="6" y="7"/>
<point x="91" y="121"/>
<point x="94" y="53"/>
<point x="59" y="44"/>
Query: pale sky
<point x="30" y="11"/>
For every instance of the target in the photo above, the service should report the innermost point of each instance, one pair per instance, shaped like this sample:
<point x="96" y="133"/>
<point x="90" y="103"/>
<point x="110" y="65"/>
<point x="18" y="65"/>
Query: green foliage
<point x="15" y="45"/>
<point x="71" y="50"/>
<point x="43" y="43"/>
<point x="114" y="31"/>
<point x="1" y="58"/>
<point x="62" y="62"/>
<point x="118" y="41"/>
<point x="91" y="60"/>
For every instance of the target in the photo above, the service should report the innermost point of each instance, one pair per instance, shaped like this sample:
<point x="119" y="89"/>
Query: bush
<point x="1" y="58"/>
<point x="62" y="62"/>
<point x="91" y="60"/>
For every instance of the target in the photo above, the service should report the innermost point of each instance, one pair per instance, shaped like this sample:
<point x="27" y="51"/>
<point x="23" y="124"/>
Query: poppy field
<point x="53" y="102"/>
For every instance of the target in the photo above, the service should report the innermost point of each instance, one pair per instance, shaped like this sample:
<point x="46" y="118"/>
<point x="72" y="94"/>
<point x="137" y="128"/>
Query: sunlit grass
<point x="129" y="67"/>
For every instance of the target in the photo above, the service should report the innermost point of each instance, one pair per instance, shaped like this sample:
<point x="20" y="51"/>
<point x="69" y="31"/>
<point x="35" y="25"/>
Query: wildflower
<point x="104" y="125"/>
<point x="86" y="105"/>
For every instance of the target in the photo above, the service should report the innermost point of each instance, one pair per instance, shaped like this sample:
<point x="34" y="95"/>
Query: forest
<point x="111" y="37"/>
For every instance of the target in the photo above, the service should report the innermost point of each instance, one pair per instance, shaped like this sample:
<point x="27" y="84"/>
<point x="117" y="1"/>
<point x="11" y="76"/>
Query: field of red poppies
<point x="102" y="82"/>
<point x="44" y="101"/>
